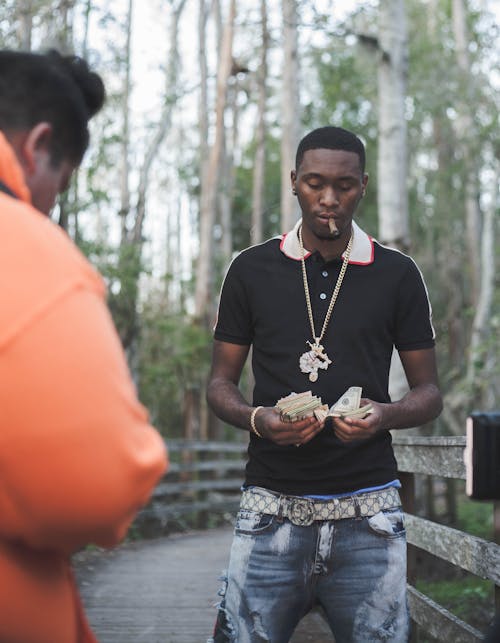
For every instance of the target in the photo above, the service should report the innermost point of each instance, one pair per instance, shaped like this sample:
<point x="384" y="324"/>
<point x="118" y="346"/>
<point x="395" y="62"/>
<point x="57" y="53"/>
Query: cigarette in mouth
<point x="332" y="226"/>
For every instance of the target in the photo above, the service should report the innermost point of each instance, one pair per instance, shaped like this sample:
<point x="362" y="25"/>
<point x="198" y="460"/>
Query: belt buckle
<point x="300" y="512"/>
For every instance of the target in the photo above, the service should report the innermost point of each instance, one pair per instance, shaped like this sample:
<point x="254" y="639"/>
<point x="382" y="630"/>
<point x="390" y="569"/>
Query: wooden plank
<point x="429" y="440"/>
<point x="165" y="590"/>
<point x="215" y="466"/>
<point x="173" y="488"/>
<point x="161" y="590"/>
<point x="161" y="512"/>
<point x="478" y="556"/>
<point x="496" y="538"/>
<point x="437" y="456"/>
<point x="431" y="457"/>
<point x="199" y="445"/>
<point x="439" y="622"/>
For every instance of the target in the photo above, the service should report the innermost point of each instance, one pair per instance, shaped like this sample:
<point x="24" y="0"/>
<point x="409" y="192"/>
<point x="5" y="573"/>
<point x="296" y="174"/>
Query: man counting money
<point x="322" y="306"/>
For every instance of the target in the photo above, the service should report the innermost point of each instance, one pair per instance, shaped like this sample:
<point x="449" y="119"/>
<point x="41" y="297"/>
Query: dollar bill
<point x="348" y="402"/>
<point x="298" y="406"/>
<point x="349" y="405"/>
<point x="321" y="413"/>
<point x="362" y="412"/>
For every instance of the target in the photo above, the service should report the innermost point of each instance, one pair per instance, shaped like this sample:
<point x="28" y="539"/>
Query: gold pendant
<point x="311" y="361"/>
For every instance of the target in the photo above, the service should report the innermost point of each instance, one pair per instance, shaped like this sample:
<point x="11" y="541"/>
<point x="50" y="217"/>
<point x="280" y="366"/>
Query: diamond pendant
<point x="311" y="361"/>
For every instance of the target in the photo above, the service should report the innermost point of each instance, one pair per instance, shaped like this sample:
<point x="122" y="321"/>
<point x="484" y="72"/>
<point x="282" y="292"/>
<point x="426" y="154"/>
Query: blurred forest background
<point x="190" y="162"/>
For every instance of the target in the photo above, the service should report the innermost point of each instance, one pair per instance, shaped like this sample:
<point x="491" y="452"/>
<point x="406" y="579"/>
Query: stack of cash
<point x="348" y="405"/>
<point x="298" y="406"/>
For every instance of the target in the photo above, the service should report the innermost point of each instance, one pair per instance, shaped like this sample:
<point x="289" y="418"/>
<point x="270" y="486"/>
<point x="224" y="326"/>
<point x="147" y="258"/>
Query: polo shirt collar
<point x="361" y="253"/>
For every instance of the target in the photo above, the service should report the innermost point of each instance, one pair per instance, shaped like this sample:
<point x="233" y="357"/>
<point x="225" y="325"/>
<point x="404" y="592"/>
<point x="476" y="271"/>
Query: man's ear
<point x="293" y="178"/>
<point x="36" y="142"/>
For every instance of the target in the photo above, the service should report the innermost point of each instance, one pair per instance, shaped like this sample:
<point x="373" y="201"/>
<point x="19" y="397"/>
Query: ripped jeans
<point x="355" y="568"/>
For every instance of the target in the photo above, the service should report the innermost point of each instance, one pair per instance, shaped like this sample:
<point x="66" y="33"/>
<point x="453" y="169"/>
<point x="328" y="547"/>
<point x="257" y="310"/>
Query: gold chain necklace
<point x="317" y="358"/>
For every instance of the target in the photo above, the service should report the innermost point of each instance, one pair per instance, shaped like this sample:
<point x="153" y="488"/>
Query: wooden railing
<point x="203" y="477"/>
<point x="442" y="457"/>
<point x="206" y="477"/>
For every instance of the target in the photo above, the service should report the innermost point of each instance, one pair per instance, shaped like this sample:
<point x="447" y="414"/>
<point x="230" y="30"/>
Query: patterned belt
<point x="304" y="511"/>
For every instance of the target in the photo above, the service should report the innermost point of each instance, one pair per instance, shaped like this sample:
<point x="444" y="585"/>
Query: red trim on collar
<point x="372" y="255"/>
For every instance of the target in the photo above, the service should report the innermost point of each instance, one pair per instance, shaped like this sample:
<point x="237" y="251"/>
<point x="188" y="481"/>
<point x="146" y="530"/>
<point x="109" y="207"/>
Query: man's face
<point x="329" y="185"/>
<point x="48" y="181"/>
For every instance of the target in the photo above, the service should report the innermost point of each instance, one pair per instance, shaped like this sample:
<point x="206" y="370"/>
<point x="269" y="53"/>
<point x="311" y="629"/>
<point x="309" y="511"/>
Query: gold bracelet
<point x="252" y="420"/>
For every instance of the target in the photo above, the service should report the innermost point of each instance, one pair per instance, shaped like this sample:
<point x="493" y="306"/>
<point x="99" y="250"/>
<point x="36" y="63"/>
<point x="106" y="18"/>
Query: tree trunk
<point x="61" y="23"/>
<point x="223" y="206"/>
<point x="24" y="13"/>
<point x="75" y="180"/>
<point x="466" y="136"/>
<point x="228" y="180"/>
<point x="448" y="263"/>
<point x="290" y="112"/>
<point x="392" y="154"/>
<point x="259" y="172"/>
<point x="482" y="317"/>
<point x="64" y="40"/>
<point x="58" y="25"/>
<point x="203" y="100"/>
<point x="125" y="304"/>
<point x="125" y="161"/>
<point x="85" y="39"/>
<point x="210" y="180"/>
<point x="164" y="123"/>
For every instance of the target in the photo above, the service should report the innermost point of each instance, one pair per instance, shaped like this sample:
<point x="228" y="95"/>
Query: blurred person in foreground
<point x="77" y="455"/>
<point x="322" y="306"/>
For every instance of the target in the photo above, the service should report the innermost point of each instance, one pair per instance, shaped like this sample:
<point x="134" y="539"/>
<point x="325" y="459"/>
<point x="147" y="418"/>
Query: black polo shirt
<point x="382" y="303"/>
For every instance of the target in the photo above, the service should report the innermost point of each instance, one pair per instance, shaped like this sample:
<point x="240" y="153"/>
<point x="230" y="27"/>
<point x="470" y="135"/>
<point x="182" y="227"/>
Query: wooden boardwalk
<point x="164" y="590"/>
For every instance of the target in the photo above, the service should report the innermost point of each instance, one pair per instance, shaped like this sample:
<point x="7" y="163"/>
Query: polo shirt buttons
<point x="322" y="295"/>
<point x="324" y="273"/>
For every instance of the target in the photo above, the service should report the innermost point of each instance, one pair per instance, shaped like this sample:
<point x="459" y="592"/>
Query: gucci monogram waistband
<point x="304" y="511"/>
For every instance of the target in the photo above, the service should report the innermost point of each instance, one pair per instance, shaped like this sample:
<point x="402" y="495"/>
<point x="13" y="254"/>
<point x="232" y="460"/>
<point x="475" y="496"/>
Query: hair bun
<point x="88" y="82"/>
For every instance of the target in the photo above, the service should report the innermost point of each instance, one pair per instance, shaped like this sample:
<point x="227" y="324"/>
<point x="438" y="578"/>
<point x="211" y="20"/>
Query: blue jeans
<point x="354" y="568"/>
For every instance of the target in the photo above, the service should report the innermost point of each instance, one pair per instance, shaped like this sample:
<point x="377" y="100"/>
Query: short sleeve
<point x="413" y="324"/>
<point x="234" y="318"/>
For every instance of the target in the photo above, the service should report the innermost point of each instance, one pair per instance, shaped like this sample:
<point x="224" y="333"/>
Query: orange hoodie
<point x="77" y="455"/>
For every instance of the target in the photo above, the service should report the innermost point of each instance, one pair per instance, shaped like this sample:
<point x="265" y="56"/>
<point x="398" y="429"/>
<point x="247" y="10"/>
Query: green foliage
<point x="242" y="203"/>
<point x="338" y="86"/>
<point x="98" y="254"/>
<point x="469" y="598"/>
<point x="173" y="357"/>
<point x="123" y="292"/>
<point x="475" y="517"/>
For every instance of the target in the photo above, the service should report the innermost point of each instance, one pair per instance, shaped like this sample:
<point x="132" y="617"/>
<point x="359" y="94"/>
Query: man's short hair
<point x="49" y="87"/>
<point x="331" y="138"/>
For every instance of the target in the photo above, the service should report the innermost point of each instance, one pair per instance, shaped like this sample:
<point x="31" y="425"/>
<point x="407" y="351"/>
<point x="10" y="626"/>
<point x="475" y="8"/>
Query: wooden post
<point x="496" y="538"/>
<point x="407" y="493"/>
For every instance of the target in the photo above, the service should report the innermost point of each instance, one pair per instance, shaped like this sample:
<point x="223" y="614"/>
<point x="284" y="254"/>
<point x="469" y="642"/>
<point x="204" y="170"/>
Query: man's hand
<point x="270" y="426"/>
<point x="421" y="404"/>
<point x="350" y="429"/>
